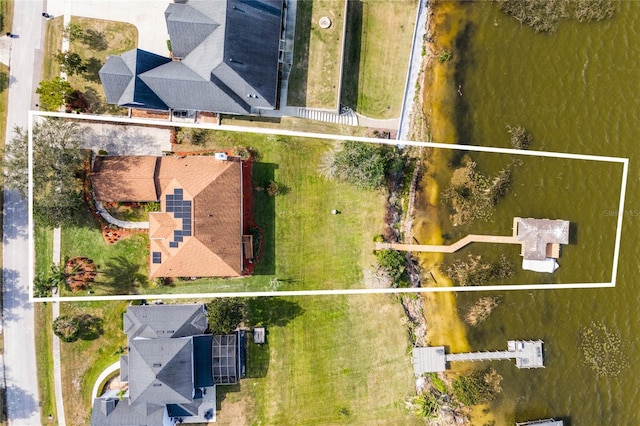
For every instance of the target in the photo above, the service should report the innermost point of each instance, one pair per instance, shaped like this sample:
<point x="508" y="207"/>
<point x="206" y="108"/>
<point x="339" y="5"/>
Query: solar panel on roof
<point x="173" y="244"/>
<point x="156" y="257"/>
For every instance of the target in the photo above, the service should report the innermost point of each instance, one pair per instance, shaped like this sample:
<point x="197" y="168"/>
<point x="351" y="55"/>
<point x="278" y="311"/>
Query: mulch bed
<point x="81" y="272"/>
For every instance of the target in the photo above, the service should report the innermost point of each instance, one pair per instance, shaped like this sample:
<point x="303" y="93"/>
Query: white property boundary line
<point x="506" y="287"/>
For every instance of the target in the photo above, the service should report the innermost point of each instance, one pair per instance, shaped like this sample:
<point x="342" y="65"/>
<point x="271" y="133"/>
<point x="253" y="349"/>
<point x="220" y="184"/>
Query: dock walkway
<point x="480" y="356"/>
<point x="451" y="248"/>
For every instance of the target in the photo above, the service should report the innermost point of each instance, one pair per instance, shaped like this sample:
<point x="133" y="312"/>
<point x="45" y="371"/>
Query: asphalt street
<point x="18" y="326"/>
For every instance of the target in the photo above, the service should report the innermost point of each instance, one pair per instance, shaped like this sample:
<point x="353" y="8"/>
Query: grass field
<point x="379" y="36"/>
<point x="122" y="268"/>
<point x="342" y="360"/>
<point x="52" y="45"/>
<point x="44" y="361"/>
<point x="84" y="360"/>
<point x="315" y="71"/>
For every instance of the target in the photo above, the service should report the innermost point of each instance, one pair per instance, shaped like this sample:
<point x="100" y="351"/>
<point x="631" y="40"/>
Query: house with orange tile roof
<point x="198" y="230"/>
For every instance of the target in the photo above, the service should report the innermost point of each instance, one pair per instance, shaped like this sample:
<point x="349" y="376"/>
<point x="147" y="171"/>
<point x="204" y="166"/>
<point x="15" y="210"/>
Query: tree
<point x="71" y="62"/>
<point x="66" y="328"/>
<point x="225" y="314"/>
<point x="53" y="93"/>
<point x="57" y="163"/>
<point x="360" y="164"/>
<point x="73" y="31"/>
<point x="43" y="283"/>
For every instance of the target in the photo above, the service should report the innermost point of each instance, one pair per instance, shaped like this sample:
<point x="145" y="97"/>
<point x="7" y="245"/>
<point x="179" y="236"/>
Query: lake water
<point x="576" y="91"/>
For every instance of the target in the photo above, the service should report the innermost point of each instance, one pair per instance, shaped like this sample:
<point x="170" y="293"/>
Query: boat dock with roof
<point x="527" y="353"/>
<point x="540" y="240"/>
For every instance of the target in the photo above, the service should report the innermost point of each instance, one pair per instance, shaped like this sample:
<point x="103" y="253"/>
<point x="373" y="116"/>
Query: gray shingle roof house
<point x="172" y="369"/>
<point x="225" y="59"/>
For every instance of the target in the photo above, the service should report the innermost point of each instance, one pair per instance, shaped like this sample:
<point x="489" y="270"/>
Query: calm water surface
<point x="577" y="91"/>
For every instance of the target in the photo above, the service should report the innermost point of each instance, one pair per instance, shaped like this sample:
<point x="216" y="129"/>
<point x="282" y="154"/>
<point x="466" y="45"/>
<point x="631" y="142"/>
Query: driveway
<point x="18" y="322"/>
<point x="126" y="139"/>
<point x="146" y="15"/>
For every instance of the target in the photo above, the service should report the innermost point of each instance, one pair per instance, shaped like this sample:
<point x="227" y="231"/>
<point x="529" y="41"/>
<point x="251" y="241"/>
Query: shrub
<point x="474" y="271"/>
<point x="103" y="152"/>
<point x="66" y="328"/>
<point x="360" y="164"/>
<point x="395" y="264"/>
<point x="472" y="196"/>
<point x="520" y="138"/>
<point x="472" y="389"/>
<point x="444" y="56"/>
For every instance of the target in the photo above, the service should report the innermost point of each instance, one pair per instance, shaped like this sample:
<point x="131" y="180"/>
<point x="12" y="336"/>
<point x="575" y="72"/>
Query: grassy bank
<point x="379" y="36"/>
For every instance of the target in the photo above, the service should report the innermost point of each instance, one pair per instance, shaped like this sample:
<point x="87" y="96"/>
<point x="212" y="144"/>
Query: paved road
<point x="19" y="353"/>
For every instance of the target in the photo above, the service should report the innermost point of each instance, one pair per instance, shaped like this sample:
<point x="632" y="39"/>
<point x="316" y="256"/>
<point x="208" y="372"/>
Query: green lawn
<point x="379" y="36"/>
<point x="52" y="45"/>
<point x="84" y="360"/>
<point x="43" y="242"/>
<point x="44" y="361"/>
<point x="122" y="267"/>
<point x="329" y="360"/>
<point x="315" y="71"/>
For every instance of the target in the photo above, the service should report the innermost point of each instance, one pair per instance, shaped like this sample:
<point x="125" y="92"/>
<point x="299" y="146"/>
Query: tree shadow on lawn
<point x="299" y="71"/>
<point x="272" y="311"/>
<point x="264" y="211"/>
<point x="122" y="276"/>
<point x="90" y="327"/>
<point x="93" y="67"/>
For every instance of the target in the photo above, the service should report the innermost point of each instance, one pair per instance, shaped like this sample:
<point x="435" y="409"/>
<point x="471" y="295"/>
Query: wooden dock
<point x="480" y="356"/>
<point x="451" y="248"/>
<point x="527" y="353"/>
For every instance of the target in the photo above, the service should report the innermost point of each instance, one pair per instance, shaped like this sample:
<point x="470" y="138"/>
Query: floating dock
<point x="431" y="359"/>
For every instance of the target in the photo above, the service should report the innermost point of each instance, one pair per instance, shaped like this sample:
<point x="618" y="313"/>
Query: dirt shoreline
<point x="432" y="120"/>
